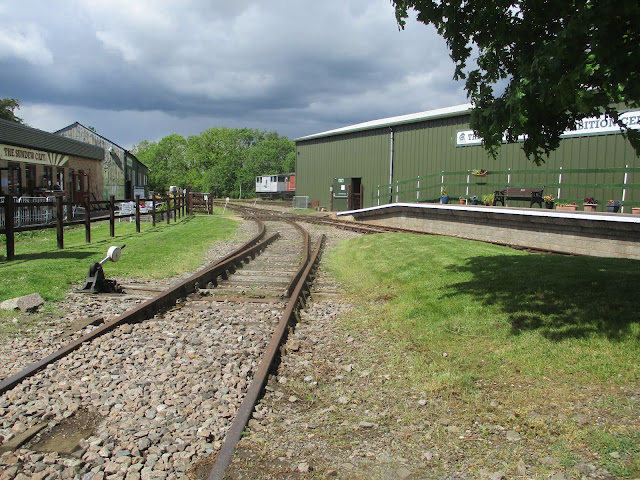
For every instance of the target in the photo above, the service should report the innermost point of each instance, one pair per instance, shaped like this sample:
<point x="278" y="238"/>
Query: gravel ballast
<point x="334" y="408"/>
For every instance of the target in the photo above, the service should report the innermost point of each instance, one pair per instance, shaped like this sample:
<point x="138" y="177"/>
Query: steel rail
<point x="255" y="212"/>
<point x="223" y="458"/>
<point x="360" y="227"/>
<point x="370" y="228"/>
<point x="303" y="262"/>
<point x="153" y="306"/>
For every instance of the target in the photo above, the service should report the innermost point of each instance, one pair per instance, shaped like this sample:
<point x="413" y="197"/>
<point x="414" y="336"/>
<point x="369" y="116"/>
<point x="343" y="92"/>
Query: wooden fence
<point x="200" y="202"/>
<point x="19" y="216"/>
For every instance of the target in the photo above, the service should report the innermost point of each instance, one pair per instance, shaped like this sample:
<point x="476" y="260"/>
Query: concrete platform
<point x="580" y="233"/>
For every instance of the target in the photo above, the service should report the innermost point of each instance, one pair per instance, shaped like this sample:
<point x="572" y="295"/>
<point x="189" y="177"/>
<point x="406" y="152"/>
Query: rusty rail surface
<point x="298" y="291"/>
<point x="297" y="299"/>
<point x="303" y="262"/>
<point x="157" y="304"/>
<point x="360" y="227"/>
<point x="370" y="228"/>
<point x="254" y="212"/>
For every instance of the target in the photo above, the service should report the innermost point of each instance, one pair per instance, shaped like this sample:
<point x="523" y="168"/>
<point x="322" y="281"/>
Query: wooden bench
<point x="532" y="194"/>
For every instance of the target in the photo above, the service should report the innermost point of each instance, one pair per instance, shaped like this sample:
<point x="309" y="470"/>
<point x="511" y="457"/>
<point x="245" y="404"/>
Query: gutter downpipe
<point x="391" y="167"/>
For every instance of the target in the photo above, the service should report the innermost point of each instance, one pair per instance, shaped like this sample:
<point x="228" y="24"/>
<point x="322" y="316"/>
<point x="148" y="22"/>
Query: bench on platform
<point x="531" y="194"/>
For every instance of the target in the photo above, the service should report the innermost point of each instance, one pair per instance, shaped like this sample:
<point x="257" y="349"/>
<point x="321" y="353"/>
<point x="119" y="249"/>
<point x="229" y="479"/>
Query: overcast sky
<point x="143" y="69"/>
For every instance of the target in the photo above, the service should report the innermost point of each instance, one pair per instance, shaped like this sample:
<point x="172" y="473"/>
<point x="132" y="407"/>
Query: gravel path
<point x="16" y="353"/>
<point x="157" y="396"/>
<point x="150" y="400"/>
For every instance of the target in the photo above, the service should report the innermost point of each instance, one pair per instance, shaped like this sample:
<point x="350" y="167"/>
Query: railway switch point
<point x="96" y="281"/>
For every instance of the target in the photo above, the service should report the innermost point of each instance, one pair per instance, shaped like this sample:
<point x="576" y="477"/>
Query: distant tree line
<point x="220" y="161"/>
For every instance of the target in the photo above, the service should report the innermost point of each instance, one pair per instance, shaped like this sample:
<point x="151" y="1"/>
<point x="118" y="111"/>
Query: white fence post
<point x="467" y="191"/>
<point x="624" y="190"/>
<point x="559" y="184"/>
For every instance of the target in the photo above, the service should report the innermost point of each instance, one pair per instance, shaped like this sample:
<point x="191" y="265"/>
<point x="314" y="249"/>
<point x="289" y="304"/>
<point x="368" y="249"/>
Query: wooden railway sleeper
<point x="256" y="387"/>
<point x="160" y="303"/>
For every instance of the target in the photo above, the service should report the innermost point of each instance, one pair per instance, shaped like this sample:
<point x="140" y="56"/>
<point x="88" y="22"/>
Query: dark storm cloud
<point x="145" y="69"/>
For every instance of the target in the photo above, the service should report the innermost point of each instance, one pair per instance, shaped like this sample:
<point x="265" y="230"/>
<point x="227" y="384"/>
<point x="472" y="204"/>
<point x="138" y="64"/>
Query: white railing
<point x="35" y="215"/>
<point x="27" y="215"/>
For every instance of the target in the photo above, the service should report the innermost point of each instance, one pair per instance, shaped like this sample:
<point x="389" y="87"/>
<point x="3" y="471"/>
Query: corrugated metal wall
<point x="429" y="147"/>
<point x="361" y="155"/>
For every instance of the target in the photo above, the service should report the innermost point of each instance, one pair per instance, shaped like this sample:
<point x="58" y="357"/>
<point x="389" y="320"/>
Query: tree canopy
<point x="220" y="161"/>
<point x="541" y="66"/>
<point x="8" y="107"/>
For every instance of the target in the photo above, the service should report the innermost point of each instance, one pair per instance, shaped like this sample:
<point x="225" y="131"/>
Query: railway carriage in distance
<point x="276" y="186"/>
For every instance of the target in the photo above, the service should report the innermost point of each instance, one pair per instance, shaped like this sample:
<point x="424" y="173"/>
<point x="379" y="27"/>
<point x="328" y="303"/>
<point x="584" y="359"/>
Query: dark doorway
<point x="356" y="194"/>
<point x="47" y="177"/>
<point x="30" y="171"/>
<point x="79" y="185"/>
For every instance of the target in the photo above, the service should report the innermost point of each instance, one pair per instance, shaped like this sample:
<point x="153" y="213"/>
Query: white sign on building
<point x="19" y="154"/>
<point x="602" y="125"/>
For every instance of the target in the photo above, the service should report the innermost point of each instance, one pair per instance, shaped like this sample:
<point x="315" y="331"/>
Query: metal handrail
<point x="428" y="187"/>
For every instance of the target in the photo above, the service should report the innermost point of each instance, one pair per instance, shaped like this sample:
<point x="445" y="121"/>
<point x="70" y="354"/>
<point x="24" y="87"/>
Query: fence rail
<point x="34" y="213"/>
<point x="565" y="184"/>
<point x="200" y="202"/>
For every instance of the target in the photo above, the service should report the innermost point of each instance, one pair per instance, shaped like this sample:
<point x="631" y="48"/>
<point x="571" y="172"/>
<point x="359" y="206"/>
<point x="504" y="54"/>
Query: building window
<point x="30" y="171"/>
<point x="47" y="177"/>
<point x="59" y="179"/>
<point x="15" y="179"/>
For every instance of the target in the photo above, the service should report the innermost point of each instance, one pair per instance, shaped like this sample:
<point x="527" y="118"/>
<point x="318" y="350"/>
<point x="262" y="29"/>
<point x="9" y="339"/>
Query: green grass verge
<point x="154" y="253"/>
<point x="541" y="333"/>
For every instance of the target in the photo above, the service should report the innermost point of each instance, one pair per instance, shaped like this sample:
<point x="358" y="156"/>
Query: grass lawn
<point x="545" y="345"/>
<point x="154" y="253"/>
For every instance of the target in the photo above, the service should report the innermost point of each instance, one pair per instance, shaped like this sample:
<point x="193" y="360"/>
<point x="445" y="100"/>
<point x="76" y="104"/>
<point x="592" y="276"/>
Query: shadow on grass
<point x="57" y="255"/>
<point x="558" y="296"/>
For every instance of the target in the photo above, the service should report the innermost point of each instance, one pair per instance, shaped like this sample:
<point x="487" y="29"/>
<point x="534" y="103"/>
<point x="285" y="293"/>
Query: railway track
<point x="160" y="390"/>
<point x="251" y="211"/>
<point x="361" y="227"/>
<point x="167" y="387"/>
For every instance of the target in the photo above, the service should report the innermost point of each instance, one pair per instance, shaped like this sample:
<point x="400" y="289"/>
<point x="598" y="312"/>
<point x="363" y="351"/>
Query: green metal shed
<point x="413" y="157"/>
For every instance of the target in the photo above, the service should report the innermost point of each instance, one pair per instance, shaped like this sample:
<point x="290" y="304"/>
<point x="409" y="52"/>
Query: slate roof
<point x="19" y="135"/>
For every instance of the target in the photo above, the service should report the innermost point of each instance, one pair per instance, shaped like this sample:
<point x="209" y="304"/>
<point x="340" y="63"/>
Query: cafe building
<point x="35" y="163"/>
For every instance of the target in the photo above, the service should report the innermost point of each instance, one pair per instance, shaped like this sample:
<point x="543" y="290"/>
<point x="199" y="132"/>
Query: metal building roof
<point x="391" y="121"/>
<point x="75" y="125"/>
<point x="27" y="137"/>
